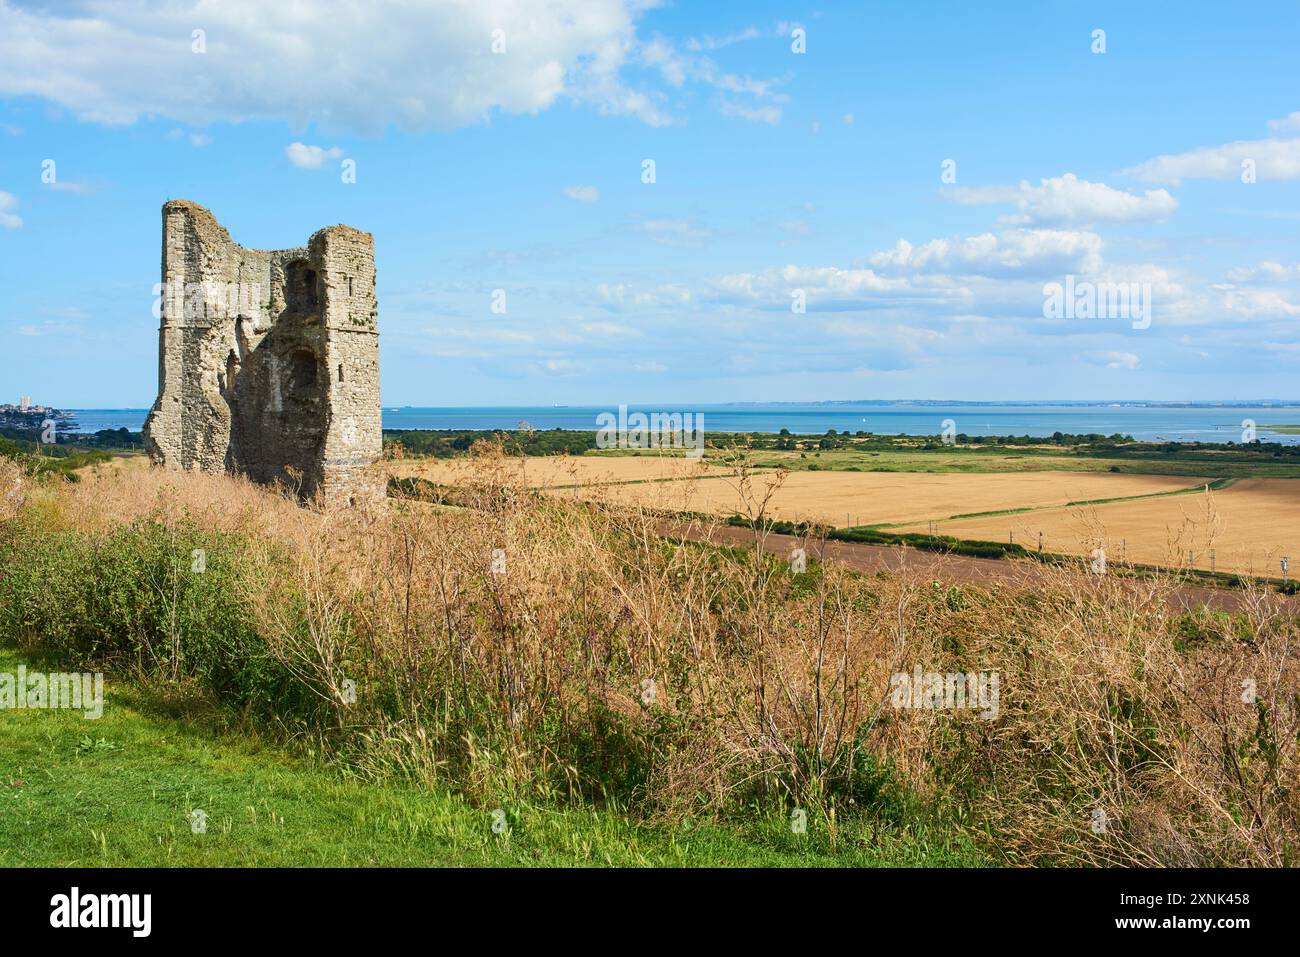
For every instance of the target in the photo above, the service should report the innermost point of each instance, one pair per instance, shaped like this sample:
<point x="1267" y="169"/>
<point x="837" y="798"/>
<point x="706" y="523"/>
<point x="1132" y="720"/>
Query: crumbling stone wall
<point x="268" y="361"/>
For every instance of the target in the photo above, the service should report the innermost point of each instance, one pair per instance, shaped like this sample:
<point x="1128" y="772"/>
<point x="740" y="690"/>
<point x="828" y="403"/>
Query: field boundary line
<point x="1214" y="486"/>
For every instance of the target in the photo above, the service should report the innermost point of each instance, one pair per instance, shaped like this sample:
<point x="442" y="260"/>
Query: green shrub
<point x="133" y="598"/>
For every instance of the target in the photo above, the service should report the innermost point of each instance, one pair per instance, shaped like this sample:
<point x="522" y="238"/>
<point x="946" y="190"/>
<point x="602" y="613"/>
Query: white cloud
<point x="1259" y="304"/>
<point x="1066" y="200"/>
<point x="1014" y="252"/>
<point x="491" y="335"/>
<point x="564" y="367"/>
<point x="771" y="115"/>
<point x="1265" y="294"/>
<point x="823" y="287"/>
<point x="613" y="330"/>
<point x="1274" y="159"/>
<point x="622" y="296"/>
<point x="195" y="139"/>
<point x="699" y="44"/>
<point x="739" y="95"/>
<point x="1288" y="124"/>
<point x="9" y="220"/>
<point x="675" y="232"/>
<point x="343" y="65"/>
<point x="582" y="194"/>
<point x="848" y="119"/>
<point x="310" y="157"/>
<point x="1266" y="271"/>
<point x="1114" y="360"/>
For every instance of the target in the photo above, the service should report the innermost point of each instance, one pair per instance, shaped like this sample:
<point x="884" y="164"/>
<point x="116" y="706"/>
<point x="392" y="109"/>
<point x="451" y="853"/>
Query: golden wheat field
<point x="867" y="498"/>
<point x="551" y="470"/>
<point x="1251" y="526"/>
<point x="1246" y="528"/>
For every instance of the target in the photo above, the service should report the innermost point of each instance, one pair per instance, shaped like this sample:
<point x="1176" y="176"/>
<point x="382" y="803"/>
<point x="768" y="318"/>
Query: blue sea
<point x="1144" y="422"/>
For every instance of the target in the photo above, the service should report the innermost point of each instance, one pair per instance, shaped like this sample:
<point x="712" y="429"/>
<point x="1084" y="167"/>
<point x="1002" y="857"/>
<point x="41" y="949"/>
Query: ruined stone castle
<point x="268" y="362"/>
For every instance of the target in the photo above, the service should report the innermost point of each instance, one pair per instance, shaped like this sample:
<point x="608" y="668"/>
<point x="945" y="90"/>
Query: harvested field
<point x="1250" y="525"/>
<point x="866" y="498"/>
<point x="552" y="470"/>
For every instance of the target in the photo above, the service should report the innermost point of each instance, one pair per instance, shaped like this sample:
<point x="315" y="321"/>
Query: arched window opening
<point x="304" y="369"/>
<point x="300" y="292"/>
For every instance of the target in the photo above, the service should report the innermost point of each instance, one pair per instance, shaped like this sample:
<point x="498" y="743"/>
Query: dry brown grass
<point x="551" y="470"/>
<point x="13" y="488"/>
<point x="767" y="686"/>
<point x="129" y="489"/>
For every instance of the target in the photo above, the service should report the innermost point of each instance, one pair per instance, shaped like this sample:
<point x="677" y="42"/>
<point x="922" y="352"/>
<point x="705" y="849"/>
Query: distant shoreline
<point x="883" y="403"/>
<point x="1184" y="422"/>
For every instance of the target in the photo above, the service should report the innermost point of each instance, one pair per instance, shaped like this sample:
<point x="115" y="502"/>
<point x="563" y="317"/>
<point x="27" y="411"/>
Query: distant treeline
<point x="451" y="442"/>
<point x="66" y="442"/>
<point x="872" y="441"/>
<point x="445" y="444"/>
<point x="40" y="459"/>
<point x="448" y="443"/>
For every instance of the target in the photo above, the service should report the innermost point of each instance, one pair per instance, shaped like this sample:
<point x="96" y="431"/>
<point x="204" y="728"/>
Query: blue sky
<point x="775" y="172"/>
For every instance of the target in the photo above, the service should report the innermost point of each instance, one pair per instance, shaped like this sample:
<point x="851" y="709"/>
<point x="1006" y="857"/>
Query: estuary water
<point x="1144" y="422"/>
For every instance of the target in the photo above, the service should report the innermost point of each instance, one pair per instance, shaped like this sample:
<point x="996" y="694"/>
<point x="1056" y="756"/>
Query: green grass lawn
<point x="119" y="791"/>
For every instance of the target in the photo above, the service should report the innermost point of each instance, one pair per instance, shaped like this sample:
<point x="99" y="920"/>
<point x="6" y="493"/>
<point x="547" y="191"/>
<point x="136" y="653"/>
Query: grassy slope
<point x="118" y="792"/>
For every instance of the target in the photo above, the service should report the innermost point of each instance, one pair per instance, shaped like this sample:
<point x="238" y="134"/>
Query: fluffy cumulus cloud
<point x="992" y="273"/>
<point x="337" y="63"/>
<point x="1265" y="272"/>
<point x="1068" y="200"/>
<point x="1264" y="291"/>
<point x="1016" y="252"/>
<point x="1259" y="304"/>
<point x="1275" y="158"/>
<point x="9" y="219"/>
<point x="820" y="284"/>
<point x="620" y="297"/>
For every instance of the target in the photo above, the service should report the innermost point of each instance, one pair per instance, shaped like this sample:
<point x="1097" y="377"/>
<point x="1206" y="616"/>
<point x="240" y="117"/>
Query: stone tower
<point x="268" y="362"/>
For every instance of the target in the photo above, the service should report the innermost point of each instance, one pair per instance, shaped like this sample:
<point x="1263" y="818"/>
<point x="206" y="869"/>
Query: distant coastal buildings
<point x="26" y="417"/>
